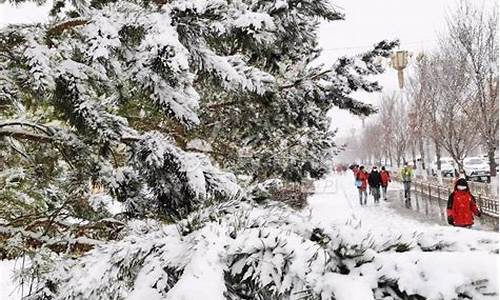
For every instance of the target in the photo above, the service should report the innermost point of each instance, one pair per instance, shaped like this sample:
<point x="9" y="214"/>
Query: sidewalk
<point x="421" y="256"/>
<point x="427" y="211"/>
<point x="336" y="203"/>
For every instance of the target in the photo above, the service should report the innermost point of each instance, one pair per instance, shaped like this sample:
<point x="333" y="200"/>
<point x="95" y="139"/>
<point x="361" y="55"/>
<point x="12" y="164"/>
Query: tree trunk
<point x="492" y="162"/>
<point x="414" y="156"/>
<point x="422" y="152"/>
<point x="438" y="156"/>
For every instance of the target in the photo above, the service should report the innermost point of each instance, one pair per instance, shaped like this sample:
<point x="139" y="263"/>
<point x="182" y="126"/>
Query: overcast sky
<point x="416" y="23"/>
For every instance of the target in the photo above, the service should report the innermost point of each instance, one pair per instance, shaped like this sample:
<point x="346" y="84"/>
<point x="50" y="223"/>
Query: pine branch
<point x="65" y="25"/>
<point x="25" y="135"/>
<point x="300" y="80"/>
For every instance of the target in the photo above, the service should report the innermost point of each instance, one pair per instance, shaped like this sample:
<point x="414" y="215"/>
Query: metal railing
<point x="478" y="187"/>
<point x="487" y="204"/>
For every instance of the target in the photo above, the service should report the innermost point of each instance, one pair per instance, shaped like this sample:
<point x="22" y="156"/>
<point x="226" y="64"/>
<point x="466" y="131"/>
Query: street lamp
<point x="399" y="61"/>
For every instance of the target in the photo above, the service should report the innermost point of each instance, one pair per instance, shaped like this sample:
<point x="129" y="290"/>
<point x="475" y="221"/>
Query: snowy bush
<point x="241" y="251"/>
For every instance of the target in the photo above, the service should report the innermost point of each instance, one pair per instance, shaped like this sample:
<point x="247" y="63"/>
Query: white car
<point x="476" y="168"/>
<point x="447" y="167"/>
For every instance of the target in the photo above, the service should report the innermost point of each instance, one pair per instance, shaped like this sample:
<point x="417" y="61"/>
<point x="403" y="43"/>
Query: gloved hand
<point x="450" y="220"/>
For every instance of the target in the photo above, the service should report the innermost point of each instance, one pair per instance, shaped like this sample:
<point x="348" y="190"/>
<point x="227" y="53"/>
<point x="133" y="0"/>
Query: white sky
<point x="416" y="23"/>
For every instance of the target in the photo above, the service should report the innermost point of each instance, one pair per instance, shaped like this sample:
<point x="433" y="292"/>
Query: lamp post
<point x="399" y="61"/>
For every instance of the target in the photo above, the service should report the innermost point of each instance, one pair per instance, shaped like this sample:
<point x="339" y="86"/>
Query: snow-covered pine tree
<point x="110" y="91"/>
<point x="287" y="134"/>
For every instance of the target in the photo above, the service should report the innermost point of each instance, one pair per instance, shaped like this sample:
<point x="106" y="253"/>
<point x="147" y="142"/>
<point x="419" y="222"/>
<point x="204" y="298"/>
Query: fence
<point x="436" y="192"/>
<point x="482" y="188"/>
<point x="488" y="205"/>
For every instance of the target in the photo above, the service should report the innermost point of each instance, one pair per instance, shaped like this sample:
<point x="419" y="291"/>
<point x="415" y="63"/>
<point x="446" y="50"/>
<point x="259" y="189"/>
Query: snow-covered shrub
<point x="242" y="251"/>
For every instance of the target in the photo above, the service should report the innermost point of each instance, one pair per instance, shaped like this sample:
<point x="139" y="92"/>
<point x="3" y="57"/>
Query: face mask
<point x="461" y="187"/>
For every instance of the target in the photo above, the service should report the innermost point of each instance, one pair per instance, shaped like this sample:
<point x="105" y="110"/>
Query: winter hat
<point x="462" y="184"/>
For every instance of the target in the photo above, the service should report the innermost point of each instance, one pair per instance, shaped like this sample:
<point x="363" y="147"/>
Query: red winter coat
<point x="385" y="177"/>
<point x="461" y="208"/>
<point x="363" y="177"/>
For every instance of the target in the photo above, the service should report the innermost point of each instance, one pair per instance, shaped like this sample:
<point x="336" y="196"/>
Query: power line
<point x="371" y="45"/>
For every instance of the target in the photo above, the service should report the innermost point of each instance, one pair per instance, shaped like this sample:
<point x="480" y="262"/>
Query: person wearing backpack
<point x="385" y="178"/>
<point x="462" y="206"/>
<point x="362" y="184"/>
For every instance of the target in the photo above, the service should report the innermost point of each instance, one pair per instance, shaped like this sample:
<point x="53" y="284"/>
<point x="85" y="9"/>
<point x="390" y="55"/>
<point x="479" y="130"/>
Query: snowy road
<point x="430" y="211"/>
<point x="435" y="251"/>
<point x="337" y="192"/>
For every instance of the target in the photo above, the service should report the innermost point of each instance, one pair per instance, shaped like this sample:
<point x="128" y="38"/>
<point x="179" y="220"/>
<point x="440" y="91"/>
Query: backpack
<point x="358" y="183"/>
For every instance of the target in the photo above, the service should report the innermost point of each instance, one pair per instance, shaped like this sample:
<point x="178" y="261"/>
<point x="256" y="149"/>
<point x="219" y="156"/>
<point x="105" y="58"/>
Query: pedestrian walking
<point x="354" y="168"/>
<point x="385" y="178"/>
<point x="462" y="205"/>
<point x="375" y="181"/>
<point x="361" y="184"/>
<point x="406" y="177"/>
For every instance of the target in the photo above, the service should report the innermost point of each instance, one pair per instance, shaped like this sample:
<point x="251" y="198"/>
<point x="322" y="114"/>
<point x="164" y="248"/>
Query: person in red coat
<point x="362" y="184"/>
<point x="462" y="205"/>
<point x="355" y="170"/>
<point x="385" y="178"/>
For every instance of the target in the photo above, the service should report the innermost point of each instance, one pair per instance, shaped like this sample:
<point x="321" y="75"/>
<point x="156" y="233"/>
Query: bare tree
<point x="401" y="129"/>
<point x="419" y="113"/>
<point x="473" y="35"/>
<point x="447" y="90"/>
<point x="439" y="90"/>
<point x="387" y="122"/>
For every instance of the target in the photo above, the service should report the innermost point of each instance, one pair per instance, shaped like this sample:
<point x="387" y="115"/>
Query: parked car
<point x="447" y="167"/>
<point x="476" y="168"/>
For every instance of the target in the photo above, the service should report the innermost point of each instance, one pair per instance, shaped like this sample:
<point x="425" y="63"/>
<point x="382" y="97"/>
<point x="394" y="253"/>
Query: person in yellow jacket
<point x="406" y="177"/>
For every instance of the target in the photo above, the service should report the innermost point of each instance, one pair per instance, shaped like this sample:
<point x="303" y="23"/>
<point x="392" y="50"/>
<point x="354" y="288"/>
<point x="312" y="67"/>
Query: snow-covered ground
<point x="463" y="254"/>
<point x="338" y="193"/>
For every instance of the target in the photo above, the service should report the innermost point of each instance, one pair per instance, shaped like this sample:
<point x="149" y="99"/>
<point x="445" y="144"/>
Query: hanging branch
<point x="65" y="25"/>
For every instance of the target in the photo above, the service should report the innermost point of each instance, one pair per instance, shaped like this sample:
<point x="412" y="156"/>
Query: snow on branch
<point x="234" y="73"/>
<point x="273" y="252"/>
<point x="156" y="154"/>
